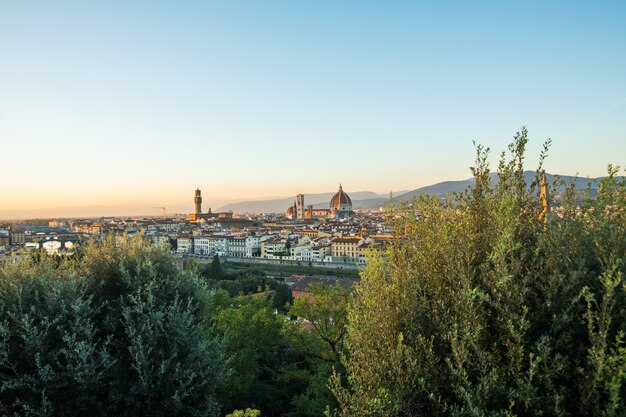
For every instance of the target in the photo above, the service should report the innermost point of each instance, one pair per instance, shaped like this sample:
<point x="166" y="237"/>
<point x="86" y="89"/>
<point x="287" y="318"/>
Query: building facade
<point x="346" y="249"/>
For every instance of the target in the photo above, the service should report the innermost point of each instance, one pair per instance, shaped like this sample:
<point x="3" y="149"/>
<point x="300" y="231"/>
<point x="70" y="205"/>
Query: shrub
<point x="491" y="305"/>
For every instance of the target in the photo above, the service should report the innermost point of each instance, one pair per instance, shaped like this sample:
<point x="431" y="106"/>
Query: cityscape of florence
<point x="251" y="209"/>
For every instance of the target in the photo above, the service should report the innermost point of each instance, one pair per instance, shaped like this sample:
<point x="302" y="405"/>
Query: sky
<point x="136" y="104"/>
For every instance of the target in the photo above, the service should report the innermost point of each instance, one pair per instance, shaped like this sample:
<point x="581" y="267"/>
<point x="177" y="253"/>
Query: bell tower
<point x="198" y="201"/>
<point x="300" y="206"/>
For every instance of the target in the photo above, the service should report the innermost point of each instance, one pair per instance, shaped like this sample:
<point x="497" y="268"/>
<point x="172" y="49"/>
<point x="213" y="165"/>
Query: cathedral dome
<point x="341" y="201"/>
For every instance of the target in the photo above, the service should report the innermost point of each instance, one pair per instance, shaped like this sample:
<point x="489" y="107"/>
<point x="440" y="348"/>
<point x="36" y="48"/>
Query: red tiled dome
<point x="340" y="199"/>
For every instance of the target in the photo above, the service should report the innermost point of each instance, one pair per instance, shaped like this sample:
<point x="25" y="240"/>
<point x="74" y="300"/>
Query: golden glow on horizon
<point x="144" y="197"/>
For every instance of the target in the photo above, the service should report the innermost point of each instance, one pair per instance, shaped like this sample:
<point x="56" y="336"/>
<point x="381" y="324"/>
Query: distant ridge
<point x="370" y="200"/>
<point x="449" y="187"/>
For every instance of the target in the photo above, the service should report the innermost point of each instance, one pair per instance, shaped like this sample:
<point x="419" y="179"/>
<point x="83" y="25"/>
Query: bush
<point x="491" y="304"/>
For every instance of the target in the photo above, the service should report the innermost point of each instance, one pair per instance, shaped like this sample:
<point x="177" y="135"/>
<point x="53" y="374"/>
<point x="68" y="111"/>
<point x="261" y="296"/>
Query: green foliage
<point x="51" y="359"/>
<point x="117" y="331"/>
<point x="233" y="288"/>
<point x="249" y="281"/>
<point x="317" y="397"/>
<point x="484" y="308"/>
<point x="259" y="357"/>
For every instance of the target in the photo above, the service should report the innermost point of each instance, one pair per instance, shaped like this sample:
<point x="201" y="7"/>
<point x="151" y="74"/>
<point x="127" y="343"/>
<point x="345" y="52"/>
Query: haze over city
<point x="136" y="105"/>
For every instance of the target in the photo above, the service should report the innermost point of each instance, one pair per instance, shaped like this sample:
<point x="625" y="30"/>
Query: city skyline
<point x="102" y="105"/>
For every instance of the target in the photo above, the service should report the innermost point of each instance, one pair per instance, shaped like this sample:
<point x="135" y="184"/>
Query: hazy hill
<point x="367" y="199"/>
<point x="448" y="187"/>
<point x="282" y="204"/>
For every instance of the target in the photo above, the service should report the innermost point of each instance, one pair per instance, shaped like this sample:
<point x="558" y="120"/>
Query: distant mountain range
<point x="449" y="187"/>
<point x="371" y="200"/>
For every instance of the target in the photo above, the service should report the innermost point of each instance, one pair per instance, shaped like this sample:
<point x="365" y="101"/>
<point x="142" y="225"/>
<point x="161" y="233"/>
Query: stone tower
<point x="198" y="201"/>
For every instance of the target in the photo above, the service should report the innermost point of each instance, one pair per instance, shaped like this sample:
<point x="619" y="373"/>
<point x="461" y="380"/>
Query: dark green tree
<point x="282" y="296"/>
<point x="215" y="269"/>
<point x="116" y="331"/>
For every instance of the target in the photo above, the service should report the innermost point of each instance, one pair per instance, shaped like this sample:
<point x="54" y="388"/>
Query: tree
<point x="282" y="296"/>
<point x="486" y="307"/>
<point x="325" y="309"/>
<point x="215" y="270"/>
<point x="116" y="331"/>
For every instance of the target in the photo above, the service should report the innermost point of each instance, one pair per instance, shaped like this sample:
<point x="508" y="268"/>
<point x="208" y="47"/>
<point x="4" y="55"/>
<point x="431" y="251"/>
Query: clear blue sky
<point x="105" y="102"/>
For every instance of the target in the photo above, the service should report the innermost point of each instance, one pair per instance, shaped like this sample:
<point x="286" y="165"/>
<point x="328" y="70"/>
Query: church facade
<point x="340" y="208"/>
